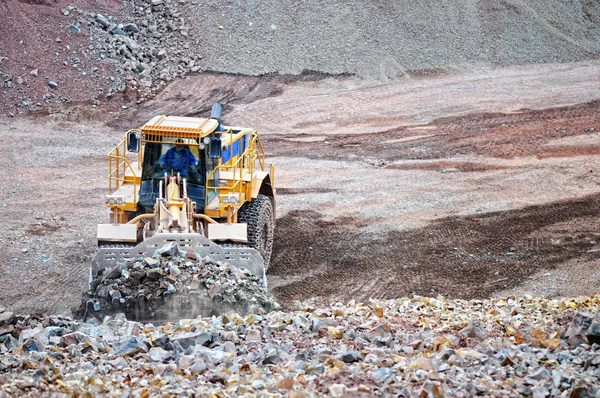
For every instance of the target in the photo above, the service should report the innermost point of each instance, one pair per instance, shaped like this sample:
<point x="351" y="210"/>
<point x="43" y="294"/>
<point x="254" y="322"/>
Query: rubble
<point x="147" y="49"/>
<point x="173" y="284"/>
<point x="232" y="354"/>
<point x="136" y="52"/>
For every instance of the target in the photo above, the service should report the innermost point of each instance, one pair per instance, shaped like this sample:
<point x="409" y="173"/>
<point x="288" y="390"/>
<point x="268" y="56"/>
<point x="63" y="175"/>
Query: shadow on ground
<point x="462" y="257"/>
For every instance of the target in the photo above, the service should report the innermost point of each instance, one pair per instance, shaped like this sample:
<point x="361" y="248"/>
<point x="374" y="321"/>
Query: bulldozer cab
<point x="173" y="156"/>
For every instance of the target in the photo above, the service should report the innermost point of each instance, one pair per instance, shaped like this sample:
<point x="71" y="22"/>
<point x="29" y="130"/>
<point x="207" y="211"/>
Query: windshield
<point x="174" y="155"/>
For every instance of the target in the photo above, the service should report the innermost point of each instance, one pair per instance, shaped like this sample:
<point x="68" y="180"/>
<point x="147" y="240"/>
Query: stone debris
<point x="138" y="52"/>
<point x="292" y="353"/>
<point x="146" y="51"/>
<point x="199" y="36"/>
<point x="593" y="332"/>
<point x="173" y="285"/>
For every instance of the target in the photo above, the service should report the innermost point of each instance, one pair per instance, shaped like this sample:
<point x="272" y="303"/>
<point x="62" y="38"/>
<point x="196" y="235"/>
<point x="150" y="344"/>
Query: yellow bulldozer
<point x="191" y="184"/>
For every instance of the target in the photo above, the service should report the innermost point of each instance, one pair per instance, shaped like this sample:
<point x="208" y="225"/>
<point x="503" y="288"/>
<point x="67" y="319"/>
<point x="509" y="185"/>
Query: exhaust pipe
<point x="215" y="114"/>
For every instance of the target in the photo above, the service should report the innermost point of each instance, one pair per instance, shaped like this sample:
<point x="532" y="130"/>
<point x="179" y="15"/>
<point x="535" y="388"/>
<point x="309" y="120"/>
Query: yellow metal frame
<point x="120" y="172"/>
<point x="238" y="171"/>
<point x="239" y="166"/>
<point x="153" y="131"/>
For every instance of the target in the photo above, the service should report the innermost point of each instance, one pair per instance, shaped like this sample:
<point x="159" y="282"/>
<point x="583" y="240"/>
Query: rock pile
<point x="148" y="48"/>
<point x="174" y="285"/>
<point x="428" y="347"/>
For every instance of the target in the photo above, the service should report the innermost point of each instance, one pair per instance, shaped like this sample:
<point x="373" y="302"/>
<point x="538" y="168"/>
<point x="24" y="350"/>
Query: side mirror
<point x="133" y="141"/>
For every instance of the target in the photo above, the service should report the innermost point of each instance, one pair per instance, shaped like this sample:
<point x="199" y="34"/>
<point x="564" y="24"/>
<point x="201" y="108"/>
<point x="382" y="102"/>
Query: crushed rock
<point x="292" y="353"/>
<point x="93" y="55"/>
<point x="147" y="48"/>
<point x="174" y="285"/>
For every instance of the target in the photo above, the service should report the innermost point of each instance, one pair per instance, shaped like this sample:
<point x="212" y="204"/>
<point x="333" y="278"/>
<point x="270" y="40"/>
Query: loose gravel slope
<point x="384" y="39"/>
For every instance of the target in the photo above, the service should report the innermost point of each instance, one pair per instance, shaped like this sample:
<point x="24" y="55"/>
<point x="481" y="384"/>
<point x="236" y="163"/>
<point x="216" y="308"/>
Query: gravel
<point x="375" y="39"/>
<point x="381" y="41"/>
<point x="409" y="347"/>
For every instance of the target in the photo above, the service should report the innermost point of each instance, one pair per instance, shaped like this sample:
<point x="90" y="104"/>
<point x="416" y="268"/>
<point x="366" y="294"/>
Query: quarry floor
<point x="468" y="185"/>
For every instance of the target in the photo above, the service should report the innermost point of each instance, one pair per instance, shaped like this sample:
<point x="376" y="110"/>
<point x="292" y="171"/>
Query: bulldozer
<point x="190" y="184"/>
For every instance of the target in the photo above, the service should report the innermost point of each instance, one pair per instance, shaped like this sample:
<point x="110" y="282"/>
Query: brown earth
<point x="35" y="37"/>
<point x="467" y="203"/>
<point x="469" y="255"/>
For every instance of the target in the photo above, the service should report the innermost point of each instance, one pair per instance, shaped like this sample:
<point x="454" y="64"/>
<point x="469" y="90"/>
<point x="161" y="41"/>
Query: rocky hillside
<point x="58" y="51"/>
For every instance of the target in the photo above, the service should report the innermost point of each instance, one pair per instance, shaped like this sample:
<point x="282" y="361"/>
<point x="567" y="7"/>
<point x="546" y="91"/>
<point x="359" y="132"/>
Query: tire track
<point x="453" y="256"/>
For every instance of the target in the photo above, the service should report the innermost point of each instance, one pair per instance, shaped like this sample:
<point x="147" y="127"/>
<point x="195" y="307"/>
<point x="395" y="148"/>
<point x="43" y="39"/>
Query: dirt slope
<point x="37" y="47"/>
<point x="177" y="38"/>
<point x="390" y="39"/>
<point x="348" y="105"/>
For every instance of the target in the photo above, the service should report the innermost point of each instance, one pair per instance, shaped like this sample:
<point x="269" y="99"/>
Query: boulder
<point x="474" y="330"/>
<point x="350" y="357"/>
<point x="130" y="346"/>
<point x="190" y="339"/>
<point x="130" y="27"/>
<point x="577" y="329"/>
<point x="102" y="20"/>
<point x="593" y="332"/>
<point x="170" y="249"/>
<point x="6" y="318"/>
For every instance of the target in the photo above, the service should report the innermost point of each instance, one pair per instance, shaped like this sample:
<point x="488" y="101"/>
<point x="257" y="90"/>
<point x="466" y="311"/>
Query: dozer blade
<point x="141" y="283"/>
<point x="241" y="257"/>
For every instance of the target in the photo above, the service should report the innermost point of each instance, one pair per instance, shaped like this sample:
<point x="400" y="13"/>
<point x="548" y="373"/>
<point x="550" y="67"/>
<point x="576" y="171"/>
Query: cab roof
<point x="180" y="124"/>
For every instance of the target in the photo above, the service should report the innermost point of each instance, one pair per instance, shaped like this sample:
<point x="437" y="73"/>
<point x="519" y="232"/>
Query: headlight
<point x="115" y="200"/>
<point x="206" y="140"/>
<point x="229" y="200"/>
<point x="201" y="146"/>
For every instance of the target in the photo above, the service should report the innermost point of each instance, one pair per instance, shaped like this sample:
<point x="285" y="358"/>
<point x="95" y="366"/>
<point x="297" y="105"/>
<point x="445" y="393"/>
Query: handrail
<point x="247" y="158"/>
<point x="230" y="143"/>
<point x="261" y="159"/>
<point x="223" y="167"/>
<point x="118" y="165"/>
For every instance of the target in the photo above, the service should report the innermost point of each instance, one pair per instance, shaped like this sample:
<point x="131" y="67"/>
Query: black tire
<point x="258" y="214"/>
